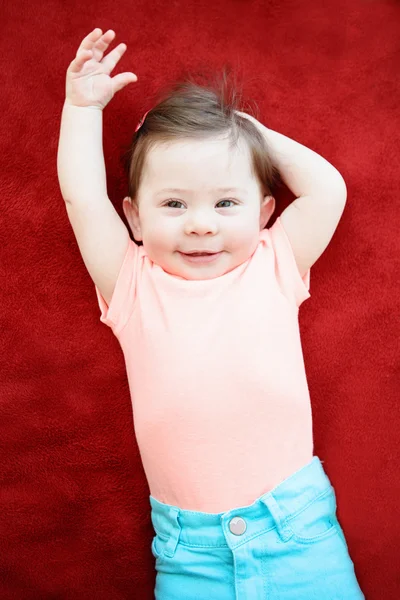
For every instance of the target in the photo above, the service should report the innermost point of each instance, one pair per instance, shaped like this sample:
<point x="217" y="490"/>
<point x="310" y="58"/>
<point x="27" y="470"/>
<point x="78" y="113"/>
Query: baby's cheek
<point x="160" y="237"/>
<point x="242" y="238"/>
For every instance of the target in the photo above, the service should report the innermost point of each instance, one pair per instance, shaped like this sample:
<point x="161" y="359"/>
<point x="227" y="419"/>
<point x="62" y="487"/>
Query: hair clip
<point x="142" y="120"/>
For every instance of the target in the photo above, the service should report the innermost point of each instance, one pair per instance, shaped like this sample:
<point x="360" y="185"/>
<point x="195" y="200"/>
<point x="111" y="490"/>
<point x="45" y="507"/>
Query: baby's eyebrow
<point x="219" y="189"/>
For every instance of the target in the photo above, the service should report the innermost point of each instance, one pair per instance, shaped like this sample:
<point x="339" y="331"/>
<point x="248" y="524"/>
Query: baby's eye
<point x="226" y="201"/>
<point x="173" y="201"/>
<point x="177" y="202"/>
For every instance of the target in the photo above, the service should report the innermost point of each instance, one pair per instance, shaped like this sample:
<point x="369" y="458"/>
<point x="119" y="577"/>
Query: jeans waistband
<point x="272" y="509"/>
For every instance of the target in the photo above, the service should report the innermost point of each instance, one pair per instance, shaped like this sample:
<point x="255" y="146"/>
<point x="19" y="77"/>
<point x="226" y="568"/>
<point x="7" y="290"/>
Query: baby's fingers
<point x="113" y="57"/>
<point x="85" y="52"/>
<point x="81" y="57"/>
<point x="90" y="40"/>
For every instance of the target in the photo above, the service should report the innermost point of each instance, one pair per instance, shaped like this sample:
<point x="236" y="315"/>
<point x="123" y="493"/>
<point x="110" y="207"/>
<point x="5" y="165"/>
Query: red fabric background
<point x="74" y="512"/>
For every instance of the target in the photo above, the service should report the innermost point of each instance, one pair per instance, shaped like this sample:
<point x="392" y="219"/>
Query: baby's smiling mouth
<point x="200" y="252"/>
<point x="200" y="256"/>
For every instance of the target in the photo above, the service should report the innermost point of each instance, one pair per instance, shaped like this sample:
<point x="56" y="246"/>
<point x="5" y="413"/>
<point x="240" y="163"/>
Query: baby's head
<point x="190" y="146"/>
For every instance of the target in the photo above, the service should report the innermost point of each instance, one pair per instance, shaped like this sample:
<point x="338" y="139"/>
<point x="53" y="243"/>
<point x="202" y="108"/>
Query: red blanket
<point x="74" y="509"/>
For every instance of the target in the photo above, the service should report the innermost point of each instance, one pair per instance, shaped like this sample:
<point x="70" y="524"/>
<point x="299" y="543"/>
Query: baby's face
<point x="200" y="217"/>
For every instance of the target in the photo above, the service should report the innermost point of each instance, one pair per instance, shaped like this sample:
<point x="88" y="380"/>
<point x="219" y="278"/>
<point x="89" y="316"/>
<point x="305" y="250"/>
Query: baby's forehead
<point x="216" y="155"/>
<point x="220" y="144"/>
<point x="198" y="165"/>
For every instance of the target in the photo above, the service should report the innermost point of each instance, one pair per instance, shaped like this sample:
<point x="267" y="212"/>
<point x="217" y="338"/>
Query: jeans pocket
<point x="316" y="521"/>
<point x="158" y="545"/>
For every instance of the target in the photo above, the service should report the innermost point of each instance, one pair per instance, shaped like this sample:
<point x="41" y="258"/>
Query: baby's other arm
<point x="311" y="220"/>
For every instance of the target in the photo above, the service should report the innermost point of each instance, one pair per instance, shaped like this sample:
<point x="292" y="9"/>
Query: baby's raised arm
<point x="101" y="235"/>
<point x="89" y="88"/>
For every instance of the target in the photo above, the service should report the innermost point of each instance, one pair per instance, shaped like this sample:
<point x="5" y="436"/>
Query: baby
<point x="205" y="309"/>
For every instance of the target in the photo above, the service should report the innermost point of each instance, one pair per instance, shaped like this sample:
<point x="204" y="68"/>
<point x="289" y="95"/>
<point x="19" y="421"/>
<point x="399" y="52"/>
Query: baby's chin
<point x="197" y="272"/>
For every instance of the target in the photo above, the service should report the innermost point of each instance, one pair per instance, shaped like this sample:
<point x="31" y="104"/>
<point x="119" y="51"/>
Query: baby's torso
<point x="220" y="398"/>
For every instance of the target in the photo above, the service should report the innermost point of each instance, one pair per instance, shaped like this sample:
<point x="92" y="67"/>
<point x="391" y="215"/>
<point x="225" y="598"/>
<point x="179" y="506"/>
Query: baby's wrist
<point x="91" y="106"/>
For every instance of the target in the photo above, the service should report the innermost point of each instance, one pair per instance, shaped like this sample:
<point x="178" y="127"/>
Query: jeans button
<point x="237" y="525"/>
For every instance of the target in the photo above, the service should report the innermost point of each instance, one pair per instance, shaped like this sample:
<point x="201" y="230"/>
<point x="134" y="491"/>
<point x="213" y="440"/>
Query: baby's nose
<point x="201" y="227"/>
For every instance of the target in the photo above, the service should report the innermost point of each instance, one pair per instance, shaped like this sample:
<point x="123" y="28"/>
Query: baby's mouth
<point x="201" y="256"/>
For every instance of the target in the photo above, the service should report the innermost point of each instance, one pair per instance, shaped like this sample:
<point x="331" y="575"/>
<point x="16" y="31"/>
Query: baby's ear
<point x="267" y="210"/>
<point x="127" y="205"/>
<point x="132" y="216"/>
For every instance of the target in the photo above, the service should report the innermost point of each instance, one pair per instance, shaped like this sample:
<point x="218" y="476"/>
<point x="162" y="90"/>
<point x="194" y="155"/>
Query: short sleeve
<point x="294" y="287"/>
<point x="117" y="314"/>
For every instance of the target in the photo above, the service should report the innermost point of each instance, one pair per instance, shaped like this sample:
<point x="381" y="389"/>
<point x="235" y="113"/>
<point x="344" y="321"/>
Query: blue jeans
<point x="287" y="545"/>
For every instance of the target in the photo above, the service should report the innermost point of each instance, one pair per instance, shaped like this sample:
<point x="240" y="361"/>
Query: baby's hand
<point x="88" y="81"/>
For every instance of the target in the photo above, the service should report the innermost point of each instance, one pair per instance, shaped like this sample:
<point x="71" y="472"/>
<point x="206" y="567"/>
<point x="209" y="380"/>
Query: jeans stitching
<point x="329" y="532"/>
<point x="321" y="495"/>
<point x="166" y="537"/>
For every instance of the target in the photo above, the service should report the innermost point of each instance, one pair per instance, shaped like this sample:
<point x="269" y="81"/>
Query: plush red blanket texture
<point x="74" y="508"/>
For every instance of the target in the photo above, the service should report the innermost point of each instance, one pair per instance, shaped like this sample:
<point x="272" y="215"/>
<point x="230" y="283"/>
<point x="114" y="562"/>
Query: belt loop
<point x="170" y="546"/>
<point x="284" y="530"/>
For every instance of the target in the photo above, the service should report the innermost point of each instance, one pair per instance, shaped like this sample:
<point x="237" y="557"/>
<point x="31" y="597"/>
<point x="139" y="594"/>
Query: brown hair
<point x="190" y="110"/>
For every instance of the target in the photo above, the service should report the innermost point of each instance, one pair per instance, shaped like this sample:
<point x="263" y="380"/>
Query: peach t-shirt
<point x="221" y="405"/>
